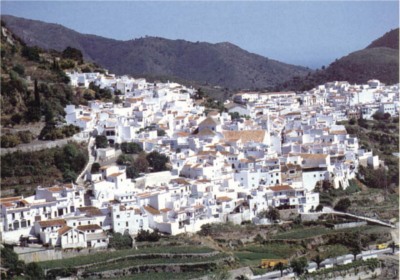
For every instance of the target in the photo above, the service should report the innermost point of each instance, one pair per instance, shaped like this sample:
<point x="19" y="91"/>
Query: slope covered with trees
<point x="221" y="64"/>
<point x="380" y="60"/>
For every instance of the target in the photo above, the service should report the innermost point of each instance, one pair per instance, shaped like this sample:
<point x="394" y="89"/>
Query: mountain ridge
<point x="223" y="63"/>
<point x="379" y="60"/>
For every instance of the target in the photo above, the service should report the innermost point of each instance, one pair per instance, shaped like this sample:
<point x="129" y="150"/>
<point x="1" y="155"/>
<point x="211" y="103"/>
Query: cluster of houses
<point x="266" y="150"/>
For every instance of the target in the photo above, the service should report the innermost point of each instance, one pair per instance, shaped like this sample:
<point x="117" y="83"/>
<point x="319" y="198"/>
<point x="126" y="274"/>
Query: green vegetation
<point x="100" y="93"/>
<point x="143" y="163"/>
<point x="358" y="67"/>
<point x="355" y="266"/>
<point x="72" y="53"/>
<point x="382" y="136"/>
<point x="95" y="167"/>
<point x="251" y="255"/>
<point x="153" y="260"/>
<point x="18" y="269"/>
<point x="130" y="148"/>
<point x="101" y="141"/>
<point x="52" y="132"/>
<point x="42" y="167"/>
<point x="120" y="241"/>
<point x="342" y="205"/>
<point x="302" y="233"/>
<point x="157" y="162"/>
<point x="164" y="275"/>
<point x="272" y="214"/>
<point x="299" y="265"/>
<point x="104" y="256"/>
<point x="146" y="235"/>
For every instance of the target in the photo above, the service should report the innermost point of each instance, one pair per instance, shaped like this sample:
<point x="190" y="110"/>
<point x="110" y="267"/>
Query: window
<point x="117" y="216"/>
<point x="127" y="224"/>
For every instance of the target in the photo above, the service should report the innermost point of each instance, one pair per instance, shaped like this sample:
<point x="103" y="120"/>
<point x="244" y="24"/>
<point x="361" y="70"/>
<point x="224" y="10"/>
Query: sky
<point x="307" y="33"/>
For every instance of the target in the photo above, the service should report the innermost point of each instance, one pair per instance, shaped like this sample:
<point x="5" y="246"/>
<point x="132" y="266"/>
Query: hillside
<point x="222" y="64"/>
<point x="33" y="82"/>
<point x="389" y="40"/>
<point x="380" y="60"/>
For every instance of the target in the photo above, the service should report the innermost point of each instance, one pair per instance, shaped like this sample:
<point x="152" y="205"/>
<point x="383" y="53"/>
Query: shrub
<point x="343" y="204"/>
<point x="119" y="241"/>
<point x="101" y="141"/>
<point x="20" y="69"/>
<point x="10" y="141"/>
<point x="31" y="53"/>
<point x="131" y="148"/>
<point x="146" y="235"/>
<point x="157" y="161"/>
<point x="95" y="167"/>
<point x="73" y="53"/>
<point x="25" y="136"/>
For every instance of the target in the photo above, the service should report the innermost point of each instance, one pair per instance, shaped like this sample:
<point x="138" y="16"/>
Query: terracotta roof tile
<point x="52" y="223"/>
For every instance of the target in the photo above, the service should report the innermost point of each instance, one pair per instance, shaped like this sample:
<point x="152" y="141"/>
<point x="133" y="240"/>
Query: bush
<point x="31" y="53"/>
<point x="161" y="132"/>
<point x="343" y="204"/>
<point x="101" y="141"/>
<point x="25" y="136"/>
<point x="67" y="64"/>
<point x="157" y="161"/>
<point x="131" y="148"/>
<point x="10" y="141"/>
<point x="73" y="53"/>
<point x="119" y="241"/>
<point x="146" y="235"/>
<point x="20" y="69"/>
<point x="51" y="132"/>
<point x="95" y="167"/>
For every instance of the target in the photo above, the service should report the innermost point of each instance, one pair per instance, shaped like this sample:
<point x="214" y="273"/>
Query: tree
<point x="131" y="148"/>
<point x="131" y="172"/>
<point x="124" y="159"/>
<point x="343" y="204"/>
<point x="161" y="132"/>
<point x="120" y="241"/>
<point x="34" y="271"/>
<point x="273" y="214"/>
<point x="355" y="249"/>
<point x="72" y="53"/>
<point x="318" y="260"/>
<point x="157" y="161"/>
<point x="95" y="167"/>
<point x="146" y="235"/>
<point x="281" y="267"/>
<point x="319" y="208"/>
<point x="352" y="121"/>
<point x="299" y="265"/>
<point x="392" y="245"/>
<point x="31" y="53"/>
<point x="101" y="141"/>
<point x="141" y="163"/>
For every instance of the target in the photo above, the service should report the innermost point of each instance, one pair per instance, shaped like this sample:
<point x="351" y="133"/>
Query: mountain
<point x="222" y="64"/>
<point x="389" y="40"/>
<point x="34" y="85"/>
<point x="380" y="60"/>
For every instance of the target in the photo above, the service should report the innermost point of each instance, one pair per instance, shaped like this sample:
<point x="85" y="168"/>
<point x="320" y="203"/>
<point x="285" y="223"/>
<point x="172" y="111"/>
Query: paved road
<point x="328" y="262"/>
<point x="329" y="210"/>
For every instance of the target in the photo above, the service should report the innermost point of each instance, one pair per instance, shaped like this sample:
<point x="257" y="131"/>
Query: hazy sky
<point x="309" y="33"/>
